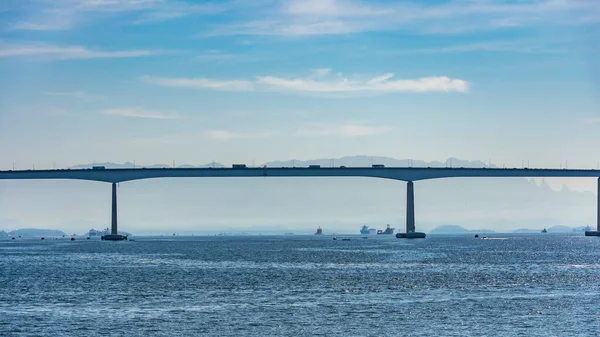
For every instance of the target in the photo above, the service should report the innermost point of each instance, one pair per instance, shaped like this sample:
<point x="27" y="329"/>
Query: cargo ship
<point x="388" y="230"/>
<point x="365" y="230"/>
<point x="319" y="231"/>
<point x="94" y="232"/>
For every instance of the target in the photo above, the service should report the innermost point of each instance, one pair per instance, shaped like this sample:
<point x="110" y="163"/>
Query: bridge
<point x="408" y="174"/>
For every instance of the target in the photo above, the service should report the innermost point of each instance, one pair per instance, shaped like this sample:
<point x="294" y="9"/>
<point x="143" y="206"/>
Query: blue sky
<point x="240" y="81"/>
<point x="236" y="81"/>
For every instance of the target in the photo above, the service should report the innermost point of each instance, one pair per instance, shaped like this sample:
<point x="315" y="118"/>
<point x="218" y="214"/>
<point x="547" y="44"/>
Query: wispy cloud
<point x="486" y="46"/>
<point x="65" y="14"/>
<point x="46" y="25"/>
<point x="333" y="17"/>
<point x="139" y="112"/>
<point x="200" y="83"/>
<point x="314" y="17"/>
<point x="382" y="83"/>
<point x="342" y="130"/>
<point x="70" y="52"/>
<point x="320" y="81"/>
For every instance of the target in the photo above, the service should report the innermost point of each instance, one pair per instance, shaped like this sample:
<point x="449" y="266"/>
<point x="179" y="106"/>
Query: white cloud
<point x="320" y="82"/>
<point x="70" y="52"/>
<point x="200" y="83"/>
<point x="343" y="130"/>
<point x="139" y="112"/>
<point x="377" y="84"/>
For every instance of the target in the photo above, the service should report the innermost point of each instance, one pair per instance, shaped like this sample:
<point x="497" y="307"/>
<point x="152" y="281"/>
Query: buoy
<point x="72" y="239"/>
<point x="88" y="237"/>
<point x="476" y="235"/>
<point x="13" y="238"/>
<point x="42" y="238"/>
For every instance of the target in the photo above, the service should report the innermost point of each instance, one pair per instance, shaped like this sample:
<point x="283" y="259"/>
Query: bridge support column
<point x="114" y="235"/>
<point x="410" y="207"/>
<point x="410" y="215"/>
<point x="113" y="223"/>
<point x="597" y="231"/>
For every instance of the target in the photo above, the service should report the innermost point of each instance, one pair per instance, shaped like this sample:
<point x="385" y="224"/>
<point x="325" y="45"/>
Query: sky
<point x="236" y="81"/>
<point x="156" y="81"/>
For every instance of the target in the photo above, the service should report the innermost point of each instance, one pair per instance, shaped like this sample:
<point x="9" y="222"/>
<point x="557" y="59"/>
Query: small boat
<point x="544" y="230"/>
<point x="476" y="235"/>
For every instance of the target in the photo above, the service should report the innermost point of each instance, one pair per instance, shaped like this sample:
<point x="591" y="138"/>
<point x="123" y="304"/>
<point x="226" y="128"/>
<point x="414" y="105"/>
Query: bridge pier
<point x="597" y="231"/>
<point x="114" y="235"/>
<point x="410" y="207"/>
<point x="410" y="215"/>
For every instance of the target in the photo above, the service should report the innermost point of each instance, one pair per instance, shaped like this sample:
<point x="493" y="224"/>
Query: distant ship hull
<point x="365" y="230"/>
<point x="389" y="230"/>
<point x="413" y="235"/>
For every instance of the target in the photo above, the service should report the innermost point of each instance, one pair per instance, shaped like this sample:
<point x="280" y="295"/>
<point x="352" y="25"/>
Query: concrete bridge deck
<point x="408" y="174"/>
<point x="397" y="173"/>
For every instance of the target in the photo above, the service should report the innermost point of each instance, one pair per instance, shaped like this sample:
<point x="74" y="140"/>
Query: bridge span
<point x="408" y="174"/>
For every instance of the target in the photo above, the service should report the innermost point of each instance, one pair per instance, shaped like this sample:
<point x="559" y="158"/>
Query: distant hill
<point x="453" y="229"/>
<point x="36" y="232"/>
<point x="559" y="229"/>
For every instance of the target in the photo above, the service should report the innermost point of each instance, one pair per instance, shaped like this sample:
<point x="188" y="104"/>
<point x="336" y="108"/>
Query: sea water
<point x="515" y="285"/>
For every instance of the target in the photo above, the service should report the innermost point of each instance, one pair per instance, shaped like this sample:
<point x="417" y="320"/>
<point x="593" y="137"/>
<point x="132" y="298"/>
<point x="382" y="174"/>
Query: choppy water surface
<point x="536" y="285"/>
